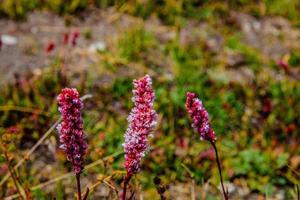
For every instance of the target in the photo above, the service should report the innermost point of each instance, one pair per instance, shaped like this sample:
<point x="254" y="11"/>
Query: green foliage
<point x="39" y="194"/>
<point x="252" y="161"/>
<point x="17" y="8"/>
<point x="172" y="12"/>
<point x="287" y="8"/>
<point x="60" y="6"/>
<point x="135" y="43"/>
<point x="295" y="59"/>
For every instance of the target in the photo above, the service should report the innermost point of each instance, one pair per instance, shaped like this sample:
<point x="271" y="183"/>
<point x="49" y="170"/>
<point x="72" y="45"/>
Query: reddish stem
<point x="225" y="193"/>
<point x="86" y="194"/>
<point x="126" y="181"/>
<point x="78" y="186"/>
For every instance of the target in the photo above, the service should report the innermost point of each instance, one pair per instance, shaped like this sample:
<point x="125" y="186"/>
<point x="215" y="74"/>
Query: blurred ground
<point x="272" y="36"/>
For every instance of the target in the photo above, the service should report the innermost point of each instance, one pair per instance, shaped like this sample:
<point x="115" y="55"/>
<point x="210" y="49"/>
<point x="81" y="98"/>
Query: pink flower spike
<point x="199" y="116"/>
<point x="142" y="121"/>
<point x="71" y="134"/>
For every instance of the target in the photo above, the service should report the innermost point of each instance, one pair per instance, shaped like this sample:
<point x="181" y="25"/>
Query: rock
<point x="242" y="75"/>
<point x="265" y="34"/>
<point x="9" y="40"/>
<point x="214" y="43"/>
<point x="97" y="46"/>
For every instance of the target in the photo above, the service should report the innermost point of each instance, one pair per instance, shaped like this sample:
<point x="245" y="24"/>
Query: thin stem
<point x="78" y="186"/>
<point x="220" y="170"/>
<point x="193" y="195"/>
<point x="13" y="175"/>
<point x="298" y="193"/>
<point x="126" y="181"/>
<point x="86" y="194"/>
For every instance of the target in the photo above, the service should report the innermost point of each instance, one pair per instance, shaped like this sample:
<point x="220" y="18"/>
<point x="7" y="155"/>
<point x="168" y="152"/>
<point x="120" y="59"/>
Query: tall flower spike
<point x="142" y="121"/>
<point x="199" y="116"/>
<point x="201" y="124"/>
<point x="71" y="134"/>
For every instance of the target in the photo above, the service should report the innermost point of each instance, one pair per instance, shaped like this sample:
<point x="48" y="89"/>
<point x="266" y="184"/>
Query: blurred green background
<point x="222" y="50"/>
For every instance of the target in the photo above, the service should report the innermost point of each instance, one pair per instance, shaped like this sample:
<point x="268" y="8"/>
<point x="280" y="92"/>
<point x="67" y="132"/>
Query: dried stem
<point x="26" y="157"/>
<point x="67" y="175"/>
<point x="193" y="193"/>
<point x="298" y="193"/>
<point x="225" y="193"/>
<point x="162" y="197"/>
<point x="23" y="109"/>
<point x="86" y="194"/>
<point x="126" y="181"/>
<point x="159" y="187"/>
<point x="12" y="174"/>
<point x="78" y="186"/>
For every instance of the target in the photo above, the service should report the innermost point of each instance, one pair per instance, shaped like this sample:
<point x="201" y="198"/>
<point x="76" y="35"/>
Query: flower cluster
<point x="142" y="121"/>
<point x="199" y="116"/>
<point x="71" y="128"/>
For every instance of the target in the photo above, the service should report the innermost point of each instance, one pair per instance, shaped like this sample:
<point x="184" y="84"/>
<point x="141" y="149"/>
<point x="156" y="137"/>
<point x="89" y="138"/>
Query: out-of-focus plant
<point x="8" y="143"/>
<point x="160" y="188"/>
<point x="173" y="12"/>
<point x="135" y="43"/>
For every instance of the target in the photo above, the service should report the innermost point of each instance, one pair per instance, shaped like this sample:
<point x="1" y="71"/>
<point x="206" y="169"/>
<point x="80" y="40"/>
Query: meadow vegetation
<point x="253" y="103"/>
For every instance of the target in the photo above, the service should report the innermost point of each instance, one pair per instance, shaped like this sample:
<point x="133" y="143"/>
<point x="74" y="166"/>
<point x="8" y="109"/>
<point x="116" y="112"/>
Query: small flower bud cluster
<point x="71" y="128"/>
<point x="142" y="121"/>
<point x="199" y="116"/>
<point x="50" y="47"/>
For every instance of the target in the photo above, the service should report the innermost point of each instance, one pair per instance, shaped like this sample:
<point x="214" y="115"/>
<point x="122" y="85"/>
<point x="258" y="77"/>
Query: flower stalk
<point x="78" y="186"/>
<point x="142" y="121"/>
<point x="126" y="181"/>
<point x="225" y="192"/>
<point x="202" y="125"/>
<point x="71" y="132"/>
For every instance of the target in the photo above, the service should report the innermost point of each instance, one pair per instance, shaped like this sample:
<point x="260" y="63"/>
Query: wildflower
<point x="199" y="116"/>
<point x="71" y="129"/>
<point x="142" y="121"/>
<point x="201" y="125"/>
